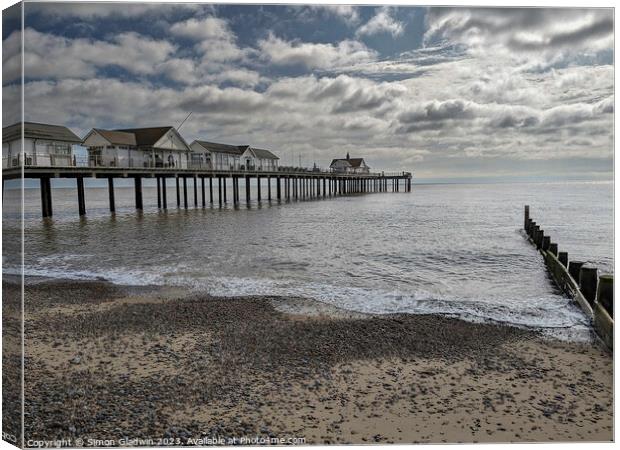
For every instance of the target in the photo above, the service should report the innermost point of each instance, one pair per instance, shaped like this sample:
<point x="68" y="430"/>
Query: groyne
<point x="579" y="280"/>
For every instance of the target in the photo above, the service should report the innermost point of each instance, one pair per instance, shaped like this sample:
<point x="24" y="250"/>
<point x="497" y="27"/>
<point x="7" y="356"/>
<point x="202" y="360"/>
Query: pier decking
<point x="281" y="185"/>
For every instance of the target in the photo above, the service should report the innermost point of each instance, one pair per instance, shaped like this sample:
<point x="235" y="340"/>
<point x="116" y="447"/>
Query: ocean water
<point x="453" y="249"/>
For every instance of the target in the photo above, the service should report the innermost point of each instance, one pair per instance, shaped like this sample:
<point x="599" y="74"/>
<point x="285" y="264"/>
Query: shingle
<point x="118" y="137"/>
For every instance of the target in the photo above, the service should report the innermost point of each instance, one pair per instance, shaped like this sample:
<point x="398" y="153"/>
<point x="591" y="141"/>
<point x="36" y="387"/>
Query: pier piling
<point x="81" y="200"/>
<point x="164" y="192"/>
<point x="111" y="194"/>
<point x="195" y="192"/>
<point x="138" y="191"/>
<point x="46" y="197"/>
<point x="185" y="192"/>
<point x="158" y="193"/>
<point x="178" y="191"/>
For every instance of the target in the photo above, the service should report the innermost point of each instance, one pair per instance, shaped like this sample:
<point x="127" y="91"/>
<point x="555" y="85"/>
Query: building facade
<point x="215" y="156"/>
<point x="43" y="145"/>
<point x="349" y="165"/>
<point x="137" y="147"/>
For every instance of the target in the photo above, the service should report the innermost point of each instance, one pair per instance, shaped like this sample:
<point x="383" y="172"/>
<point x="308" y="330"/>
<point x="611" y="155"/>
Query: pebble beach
<point x="106" y="363"/>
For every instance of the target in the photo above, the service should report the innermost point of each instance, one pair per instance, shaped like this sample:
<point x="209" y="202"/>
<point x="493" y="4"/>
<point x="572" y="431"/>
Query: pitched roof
<point x="147" y="136"/>
<point x="35" y="130"/>
<point x="117" y="137"/>
<point x="353" y="162"/>
<point x="222" y="148"/>
<point x="263" y="154"/>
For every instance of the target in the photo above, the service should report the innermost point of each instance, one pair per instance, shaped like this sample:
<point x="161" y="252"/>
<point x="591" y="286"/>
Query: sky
<point x="448" y="93"/>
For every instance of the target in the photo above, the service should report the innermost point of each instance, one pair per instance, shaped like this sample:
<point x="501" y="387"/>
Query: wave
<point x="554" y="316"/>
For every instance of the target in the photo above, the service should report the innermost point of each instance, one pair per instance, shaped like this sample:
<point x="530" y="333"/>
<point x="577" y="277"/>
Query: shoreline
<point x="152" y="362"/>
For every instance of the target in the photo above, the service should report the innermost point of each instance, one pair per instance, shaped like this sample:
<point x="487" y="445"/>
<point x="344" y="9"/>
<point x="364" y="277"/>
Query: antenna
<point x="179" y="127"/>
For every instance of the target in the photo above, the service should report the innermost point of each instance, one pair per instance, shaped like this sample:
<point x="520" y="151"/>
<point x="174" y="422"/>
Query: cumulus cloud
<point x="347" y="13"/>
<point x="382" y="22"/>
<point x="314" y="55"/>
<point x="523" y="29"/>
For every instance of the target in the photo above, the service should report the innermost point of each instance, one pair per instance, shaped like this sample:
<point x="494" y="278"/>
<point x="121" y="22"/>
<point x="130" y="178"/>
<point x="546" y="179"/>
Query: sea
<point x="451" y="249"/>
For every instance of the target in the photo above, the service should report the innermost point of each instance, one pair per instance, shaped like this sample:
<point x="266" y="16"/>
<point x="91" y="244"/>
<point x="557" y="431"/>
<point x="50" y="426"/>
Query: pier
<point x="578" y="280"/>
<point x="282" y="186"/>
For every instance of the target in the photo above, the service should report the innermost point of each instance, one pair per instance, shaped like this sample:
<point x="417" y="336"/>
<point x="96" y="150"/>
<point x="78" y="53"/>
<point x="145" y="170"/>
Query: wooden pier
<point x="283" y="185"/>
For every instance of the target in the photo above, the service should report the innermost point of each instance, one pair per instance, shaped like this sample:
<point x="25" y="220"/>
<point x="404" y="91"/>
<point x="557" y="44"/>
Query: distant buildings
<point x="158" y="147"/>
<point x="44" y="145"/>
<point x="349" y="165"/>
<point x="216" y="156"/>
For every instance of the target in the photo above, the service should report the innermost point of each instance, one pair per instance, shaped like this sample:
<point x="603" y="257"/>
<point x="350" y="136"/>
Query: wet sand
<point x="110" y="362"/>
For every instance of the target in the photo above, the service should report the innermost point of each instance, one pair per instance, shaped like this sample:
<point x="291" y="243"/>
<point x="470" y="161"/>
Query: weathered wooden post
<point x="563" y="258"/>
<point x="588" y="282"/>
<point x="163" y="192"/>
<point x="247" y="189"/>
<point x="111" y="194"/>
<point x="46" y="197"/>
<point x="138" y="189"/>
<point x="224" y="188"/>
<point x="219" y="190"/>
<point x="546" y="241"/>
<point x="605" y="294"/>
<point x="538" y="238"/>
<point x="195" y="191"/>
<point x="553" y="249"/>
<point x="278" y="189"/>
<point x="269" y="188"/>
<point x="176" y="178"/>
<point x="202" y="188"/>
<point x="533" y="230"/>
<point x="211" y="189"/>
<point x="258" y="194"/>
<point x="158" y="193"/>
<point x="573" y="269"/>
<point x="185" y="192"/>
<point x="527" y="216"/>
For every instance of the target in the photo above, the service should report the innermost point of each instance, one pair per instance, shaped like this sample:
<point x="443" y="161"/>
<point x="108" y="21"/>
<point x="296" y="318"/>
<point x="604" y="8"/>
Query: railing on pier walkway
<point x="288" y="184"/>
<point x="577" y="279"/>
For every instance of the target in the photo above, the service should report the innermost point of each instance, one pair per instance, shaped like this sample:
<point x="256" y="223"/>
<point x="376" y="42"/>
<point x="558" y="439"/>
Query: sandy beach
<point x="108" y="362"/>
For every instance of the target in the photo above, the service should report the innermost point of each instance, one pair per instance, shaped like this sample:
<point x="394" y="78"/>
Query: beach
<point x="107" y="363"/>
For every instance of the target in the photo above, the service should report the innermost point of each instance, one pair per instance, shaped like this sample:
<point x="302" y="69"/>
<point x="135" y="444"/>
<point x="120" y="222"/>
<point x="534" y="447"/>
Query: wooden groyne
<point x="281" y="185"/>
<point x="581" y="281"/>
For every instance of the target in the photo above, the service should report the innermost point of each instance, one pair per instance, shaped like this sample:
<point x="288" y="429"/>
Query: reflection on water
<point x="454" y="249"/>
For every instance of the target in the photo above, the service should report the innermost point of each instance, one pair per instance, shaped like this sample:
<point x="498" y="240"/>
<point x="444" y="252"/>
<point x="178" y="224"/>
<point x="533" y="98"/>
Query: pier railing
<point x="577" y="279"/>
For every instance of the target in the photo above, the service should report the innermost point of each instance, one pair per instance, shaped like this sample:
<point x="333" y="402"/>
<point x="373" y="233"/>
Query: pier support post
<point x="573" y="269"/>
<point x="164" y="193"/>
<point x="46" y="197"/>
<point x="269" y="188"/>
<point x="588" y="282"/>
<point x="278" y="189"/>
<point x="258" y="193"/>
<point x="224" y="192"/>
<point x="81" y="200"/>
<point x="202" y="186"/>
<point x="563" y="258"/>
<point x="178" y="192"/>
<point x="138" y="189"/>
<point x="185" y="192"/>
<point x="111" y="194"/>
<point x="219" y="189"/>
<point x="247" y="189"/>
<point x="195" y="192"/>
<point x="605" y="294"/>
<point x="211" y="189"/>
<point x="158" y="192"/>
<point x="235" y="186"/>
<point x="546" y="241"/>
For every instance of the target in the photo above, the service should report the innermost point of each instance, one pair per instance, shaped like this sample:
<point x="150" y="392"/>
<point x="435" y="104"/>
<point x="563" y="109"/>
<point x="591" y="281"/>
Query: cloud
<point x="50" y="56"/>
<point x="349" y="14"/>
<point x="314" y="55"/>
<point x="93" y="10"/>
<point x="382" y="22"/>
<point x="523" y="29"/>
